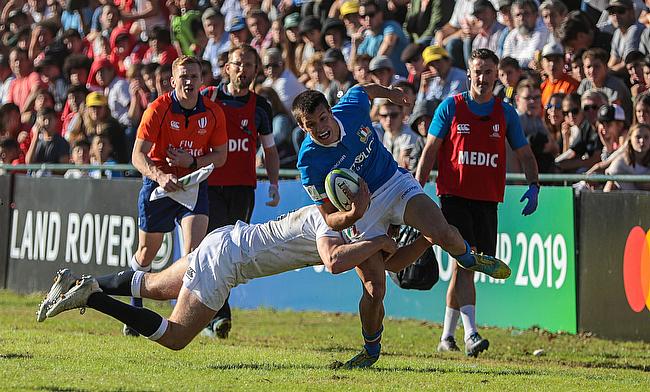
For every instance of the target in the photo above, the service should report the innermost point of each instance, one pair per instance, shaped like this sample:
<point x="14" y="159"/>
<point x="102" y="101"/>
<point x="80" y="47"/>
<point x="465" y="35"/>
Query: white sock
<point x="135" y="266"/>
<point x="160" y="331"/>
<point x="451" y="321"/>
<point x="468" y="314"/>
<point x="136" y="283"/>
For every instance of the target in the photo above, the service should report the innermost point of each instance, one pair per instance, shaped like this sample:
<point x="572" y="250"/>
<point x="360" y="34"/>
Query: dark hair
<point x="404" y="85"/>
<point x="366" y="3"/>
<point x="46" y="112"/>
<point x="484" y="54"/>
<point x="559" y="96"/>
<point x="80" y="143"/>
<point x="71" y="33"/>
<point x="9" y="144"/>
<point x="149" y="68"/>
<point x="196" y="27"/>
<point x="163" y="68"/>
<point x="76" y="61"/>
<point x="596" y="54"/>
<point x="77" y="88"/>
<point x="574" y="98"/>
<point x="526" y="3"/>
<point x="509" y="62"/>
<point x="628" y="154"/>
<point x="577" y="55"/>
<point x="306" y="103"/>
<point x="575" y="23"/>
<point x="161" y="34"/>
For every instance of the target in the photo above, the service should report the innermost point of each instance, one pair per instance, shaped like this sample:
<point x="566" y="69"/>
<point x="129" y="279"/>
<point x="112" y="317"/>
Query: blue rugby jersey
<point x="359" y="149"/>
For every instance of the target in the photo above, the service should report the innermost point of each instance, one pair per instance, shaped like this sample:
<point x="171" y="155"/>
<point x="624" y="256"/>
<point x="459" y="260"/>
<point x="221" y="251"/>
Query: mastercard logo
<point x="636" y="269"/>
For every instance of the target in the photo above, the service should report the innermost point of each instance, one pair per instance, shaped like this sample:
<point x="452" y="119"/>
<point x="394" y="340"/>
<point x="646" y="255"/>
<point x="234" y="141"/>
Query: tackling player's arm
<point x="340" y="257"/>
<point x="407" y="255"/>
<point x="340" y="220"/>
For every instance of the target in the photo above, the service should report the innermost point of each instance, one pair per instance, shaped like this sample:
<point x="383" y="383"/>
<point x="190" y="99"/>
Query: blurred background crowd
<point x="77" y="75"/>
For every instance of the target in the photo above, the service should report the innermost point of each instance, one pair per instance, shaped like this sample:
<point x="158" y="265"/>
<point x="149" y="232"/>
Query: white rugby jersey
<point x="284" y="244"/>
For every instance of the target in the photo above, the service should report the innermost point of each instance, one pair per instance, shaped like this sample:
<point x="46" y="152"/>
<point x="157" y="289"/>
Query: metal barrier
<point x="292" y="173"/>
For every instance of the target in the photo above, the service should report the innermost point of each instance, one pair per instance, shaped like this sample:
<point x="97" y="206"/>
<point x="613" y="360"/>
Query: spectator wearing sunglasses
<point x="627" y="36"/>
<point x="557" y="81"/>
<point x="554" y="118"/>
<point x="282" y="80"/>
<point x="530" y="116"/>
<point x="585" y="145"/>
<point x="398" y="138"/>
<point x="597" y="77"/>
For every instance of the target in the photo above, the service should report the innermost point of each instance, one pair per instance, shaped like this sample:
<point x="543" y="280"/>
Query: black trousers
<point x="228" y="204"/>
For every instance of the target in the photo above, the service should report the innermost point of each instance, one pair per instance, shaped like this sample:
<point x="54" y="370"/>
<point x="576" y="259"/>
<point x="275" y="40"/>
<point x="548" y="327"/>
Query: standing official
<point x="232" y="187"/>
<point x="180" y="132"/>
<point x="467" y="138"/>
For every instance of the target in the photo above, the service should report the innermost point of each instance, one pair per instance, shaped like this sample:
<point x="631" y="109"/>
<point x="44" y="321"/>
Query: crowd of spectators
<point x="77" y="75"/>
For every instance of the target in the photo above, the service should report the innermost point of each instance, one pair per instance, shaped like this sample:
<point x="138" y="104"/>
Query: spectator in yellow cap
<point x="97" y="120"/>
<point x="440" y="79"/>
<point x="349" y="13"/>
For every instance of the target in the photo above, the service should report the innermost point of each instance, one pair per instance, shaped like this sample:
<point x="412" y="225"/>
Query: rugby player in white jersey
<point x="228" y="256"/>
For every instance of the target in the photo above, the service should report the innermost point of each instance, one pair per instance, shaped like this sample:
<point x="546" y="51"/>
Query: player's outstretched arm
<point x="395" y="95"/>
<point x="339" y="257"/>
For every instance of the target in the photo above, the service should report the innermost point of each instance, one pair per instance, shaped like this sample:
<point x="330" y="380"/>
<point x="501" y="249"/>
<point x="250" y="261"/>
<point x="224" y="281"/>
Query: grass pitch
<point x="292" y="351"/>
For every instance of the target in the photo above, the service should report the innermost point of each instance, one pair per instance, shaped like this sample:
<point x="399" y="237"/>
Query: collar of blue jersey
<point x="340" y="136"/>
<point x="177" y="108"/>
<point x="468" y="98"/>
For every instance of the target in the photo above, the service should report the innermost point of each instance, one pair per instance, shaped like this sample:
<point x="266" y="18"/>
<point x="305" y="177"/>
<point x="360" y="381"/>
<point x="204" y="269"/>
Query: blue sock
<point x="373" y="342"/>
<point x="466" y="259"/>
<point x="137" y="302"/>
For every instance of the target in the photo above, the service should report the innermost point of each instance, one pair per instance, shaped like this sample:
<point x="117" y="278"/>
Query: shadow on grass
<point x="16" y="356"/>
<point x="432" y="369"/>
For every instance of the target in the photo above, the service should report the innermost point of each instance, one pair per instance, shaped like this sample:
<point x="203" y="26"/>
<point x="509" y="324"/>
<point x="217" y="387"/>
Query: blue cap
<point x="236" y="23"/>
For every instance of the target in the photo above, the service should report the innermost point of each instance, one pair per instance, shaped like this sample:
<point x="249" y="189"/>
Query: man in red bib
<point x="231" y="188"/>
<point x="467" y="138"/>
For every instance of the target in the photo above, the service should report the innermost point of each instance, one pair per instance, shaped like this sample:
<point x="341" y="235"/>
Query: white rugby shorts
<point x="387" y="207"/>
<point x="212" y="272"/>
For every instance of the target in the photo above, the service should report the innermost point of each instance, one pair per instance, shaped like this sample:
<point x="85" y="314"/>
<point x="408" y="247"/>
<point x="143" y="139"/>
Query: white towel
<point x="188" y="197"/>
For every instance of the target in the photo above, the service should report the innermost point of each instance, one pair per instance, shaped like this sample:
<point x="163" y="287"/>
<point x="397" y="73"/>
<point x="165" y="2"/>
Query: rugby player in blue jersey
<point x="343" y="137"/>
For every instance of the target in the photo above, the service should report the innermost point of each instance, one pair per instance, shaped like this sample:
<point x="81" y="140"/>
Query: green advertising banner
<point x="539" y="249"/>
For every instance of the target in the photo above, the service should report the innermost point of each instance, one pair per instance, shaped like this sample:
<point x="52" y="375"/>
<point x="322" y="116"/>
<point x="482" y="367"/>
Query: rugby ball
<point x="335" y="182"/>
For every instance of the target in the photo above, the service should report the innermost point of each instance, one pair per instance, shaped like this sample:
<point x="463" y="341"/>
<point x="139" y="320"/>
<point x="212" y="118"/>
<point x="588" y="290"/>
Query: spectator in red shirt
<point x="26" y="80"/>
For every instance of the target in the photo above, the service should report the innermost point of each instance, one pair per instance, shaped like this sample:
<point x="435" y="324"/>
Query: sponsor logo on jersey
<point x="364" y="133"/>
<point x="363" y="155"/>
<point x="203" y="122"/>
<point x="190" y="273"/>
<point x="313" y="192"/>
<point x="495" y="131"/>
<point x="474" y="158"/>
<point x="175" y="125"/>
<point x="408" y="190"/>
<point x="462" y="129"/>
<point x="352" y="233"/>
<point x="244" y="127"/>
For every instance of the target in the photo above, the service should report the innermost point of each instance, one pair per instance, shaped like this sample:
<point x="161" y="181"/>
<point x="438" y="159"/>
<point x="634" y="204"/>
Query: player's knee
<point x="178" y="344"/>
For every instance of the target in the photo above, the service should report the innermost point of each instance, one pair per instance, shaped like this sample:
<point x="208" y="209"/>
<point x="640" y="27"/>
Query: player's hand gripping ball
<point x="340" y="185"/>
